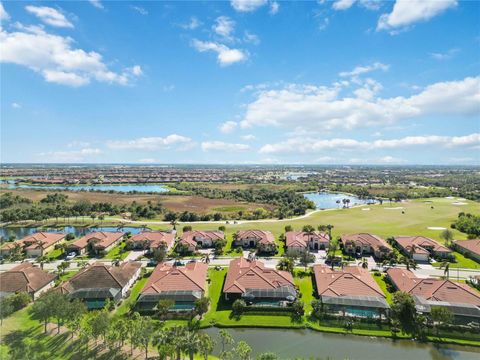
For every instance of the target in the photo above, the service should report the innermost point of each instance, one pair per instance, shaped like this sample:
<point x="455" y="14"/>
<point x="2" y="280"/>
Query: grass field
<point x="383" y="285"/>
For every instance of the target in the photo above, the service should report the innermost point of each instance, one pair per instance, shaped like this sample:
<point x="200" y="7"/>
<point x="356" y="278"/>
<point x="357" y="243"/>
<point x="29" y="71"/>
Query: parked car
<point x="70" y="256"/>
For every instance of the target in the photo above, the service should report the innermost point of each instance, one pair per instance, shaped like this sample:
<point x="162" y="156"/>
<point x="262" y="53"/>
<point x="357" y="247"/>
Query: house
<point x="469" y="248"/>
<point x="256" y="284"/>
<point x="203" y="239"/>
<point x="98" y="283"/>
<point x="152" y="240"/>
<point x="463" y="301"/>
<point x="26" y="278"/>
<point x="184" y="285"/>
<point x="35" y="245"/>
<point x="365" y="244"/>
<point x="260" y="239"/>
<point x="351" y="291"/>
<point x="421" y="248"/>
<point x="299" y="241"/>
<point x="100" y="241"/>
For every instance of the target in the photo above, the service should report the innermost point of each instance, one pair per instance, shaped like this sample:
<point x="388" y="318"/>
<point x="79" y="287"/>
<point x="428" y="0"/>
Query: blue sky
<point x="258" y="81"/>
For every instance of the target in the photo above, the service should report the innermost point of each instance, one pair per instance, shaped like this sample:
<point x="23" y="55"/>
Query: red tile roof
<point x="165" y="277"/>
<point x="244" y="274"/>
<point x="106" y="238"/>
<point x="37" y="240"/>
<point x="189" y="236"/>
<point x="24" y="277"/>
<point x="433" y="289"/>
<point x="264" y="237"/>
<point x="470" y="245"/>
<point x="364" y="239"/>
<point x="301" y="238"/>
<point x="420" y="243"/>
<point x="351" y="281"/>
<point x="154" y="238"/>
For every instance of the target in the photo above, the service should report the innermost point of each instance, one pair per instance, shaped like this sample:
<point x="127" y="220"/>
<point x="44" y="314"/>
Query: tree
<point x="238" y="307"/>
<point x="306" y="258"/>
<point x="403" y="309"/>
<point x="243" y="350"/>
<point x="163" y="307"/>
<point x="63" y="266"/>
<point x="187" y="228"/>
<point x="298" y="309"/>
<point x="308" y="228"/>
<point x="20" y="300"/>
<point x="317" y="308"/>
<point x="44" y="308"/>
<point x="225" y="339"/>
<point x="121" y="325"/>
<point x="441" y="316"/>
<point x="75" y="315"/>
<point x="160" y="253"/>
<point x="99" y="323"/>
<point x="201" y="306"/>
<point x="267" y="356"/>
<point x="286" y="264"/>
<point x="144" y="333"/>
<point x="164" y="345"/>
<point x="447" y="235"/>
<point x="207" y="345"/>
<point x="446" y="268"/>
<point x="191" y="343"/>
<point x="6" y="308"/>
<point x="288" y="228"/>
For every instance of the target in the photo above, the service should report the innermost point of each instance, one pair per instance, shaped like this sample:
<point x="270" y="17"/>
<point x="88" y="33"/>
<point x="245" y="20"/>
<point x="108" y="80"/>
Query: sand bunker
<point x="395" y="208"/>
<point x="366" y="209"/>
<point x="449" y="197"/>
<point x="459" y="203"/>
<point x="435" y="228"/>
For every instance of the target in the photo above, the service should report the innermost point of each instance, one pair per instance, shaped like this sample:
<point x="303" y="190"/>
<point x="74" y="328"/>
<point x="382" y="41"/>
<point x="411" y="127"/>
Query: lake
<point x="327" y="200"/>
<point x="289" y="344"/>
<point x="141" y="188"/>
<point x="20" y="232"/>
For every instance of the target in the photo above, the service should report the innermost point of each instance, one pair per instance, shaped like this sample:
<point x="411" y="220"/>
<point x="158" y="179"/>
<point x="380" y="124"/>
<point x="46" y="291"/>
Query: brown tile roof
<point x="106" y="238"/>
<point x="264" y="237"/>
<point x="36" y="240"/>
<point x="189" y="236"/>
<point x="154" y="238"/>
<point x="25" y="277"/>
<point x="420" y="243"/>
<point x="165" y="277"/>
<point x="433" y="289"/>
<point x="301" y="238"/>
<point x="374" y="241"/>
<point x="351" y="281"/>
<point x="470" y="245"/>
<point x="102" y="276"/>
<point x="244" y="274"/>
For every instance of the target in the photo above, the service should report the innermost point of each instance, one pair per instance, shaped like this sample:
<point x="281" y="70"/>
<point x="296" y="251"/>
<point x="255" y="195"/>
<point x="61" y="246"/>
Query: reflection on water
<point x="20" y="232"/>
<point x="326" y="200"/>
<point x="307" y="343"/>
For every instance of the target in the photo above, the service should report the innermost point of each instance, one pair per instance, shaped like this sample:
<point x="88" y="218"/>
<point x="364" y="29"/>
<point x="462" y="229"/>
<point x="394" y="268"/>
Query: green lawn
<point x="462" y="262"/>
<point x="117" y="252"/>
<point x="383" y="285"/>
<point x="305" y="286"/>
<point x="135" y="290"/>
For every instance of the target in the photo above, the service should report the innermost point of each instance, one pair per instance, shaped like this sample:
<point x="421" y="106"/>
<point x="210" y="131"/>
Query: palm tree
<point x="191" y="343"/>
<point x="174" y="223"/>
<point x="446" y="268"/>
<point x="206" y="345"/>
<point x="329" y="229"/>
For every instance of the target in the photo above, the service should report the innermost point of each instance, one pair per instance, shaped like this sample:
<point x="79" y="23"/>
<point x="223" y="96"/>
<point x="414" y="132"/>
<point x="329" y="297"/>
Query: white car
<point x="70" y="256"/>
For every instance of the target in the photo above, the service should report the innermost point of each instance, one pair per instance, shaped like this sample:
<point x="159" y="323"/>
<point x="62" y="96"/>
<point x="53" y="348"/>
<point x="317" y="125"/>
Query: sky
<point x="241" y="82"/>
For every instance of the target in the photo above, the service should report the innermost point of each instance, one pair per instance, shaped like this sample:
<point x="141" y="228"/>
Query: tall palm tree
<point x="192" y="343"/>
<point x="446" y="269"/>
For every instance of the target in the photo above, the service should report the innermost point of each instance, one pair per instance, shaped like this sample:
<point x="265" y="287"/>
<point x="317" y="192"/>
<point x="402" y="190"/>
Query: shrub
<point x="238" y="307"/>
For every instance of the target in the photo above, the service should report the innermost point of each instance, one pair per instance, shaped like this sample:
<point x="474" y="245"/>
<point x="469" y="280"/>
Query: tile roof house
<point x="351" y="291"/>
<point x="204" y="239"/>
<point x="421" y="248"/>
<point x="100" y="240"/>
<point x="261" y="239"/>
<point x="26" y="278"/>
<point x="366" y="244"/>
<point x="297" y="241"/>
<point x="34" y="245"/>
<point x="255" y="283"/>
<point x="184" y="285"/>
<point x="470" y="248"/>
<point x="152" y="240"/>
<point x="99" y="282"/>
<point x="427" y="292"/>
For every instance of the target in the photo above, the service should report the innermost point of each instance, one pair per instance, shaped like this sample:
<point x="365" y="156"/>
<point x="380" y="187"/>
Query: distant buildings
<point x="469" y="248"/>
<point x="300" y="241"/>
<point x="421" y="248"/>
<point x="26" y="278"/>
<point x="96" y="242"/>
<point x="183" y="285"/>
<point x="34" y="245"/>
<point x="204" y="239"/>
<point x="260" y="239"/>
<point x="365" y="244"/>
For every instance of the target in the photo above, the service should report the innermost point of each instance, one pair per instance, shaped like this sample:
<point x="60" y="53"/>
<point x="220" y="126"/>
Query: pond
<point x="327" y="200"/>
<point x="289" y="344"/>
<point x="20" y="232"/>
<point x="141" y="188"/>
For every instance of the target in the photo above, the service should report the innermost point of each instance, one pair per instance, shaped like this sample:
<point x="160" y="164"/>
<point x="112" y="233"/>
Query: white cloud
<point x="408" y="12"/>
<point x="79" y="144"/>
<point x="248" y="137"/>
<point x="136" y="70"/>
<point x="192" y="24"/>
<point x="342" y="4"/>
<point x="223" y="146"/>
<point x="446" y="55"/>
<point x="97" y="3"/>
<point x="312" y="108"/>
<point x="228" y="127"/>
<point x="251" y="38"/>
<point x="347" y="4"/>
<point x="71" y="156"/>
<point x="55" y="58"/>
<point x="274" y="7"/>
<point x="247" y="5"/>
<point x="359" y="70"/>
<point x="391" y="160"/>
<point x="224" y="26"/>
<point x="140" y="10"/>
<point x="49" y="16"/>
<point x="225" y="55"/>
<point x="16" y="105"/>
<point x="172" y="141"/>
<point x="3" y="13"/>
<point x="306" y="145"/>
